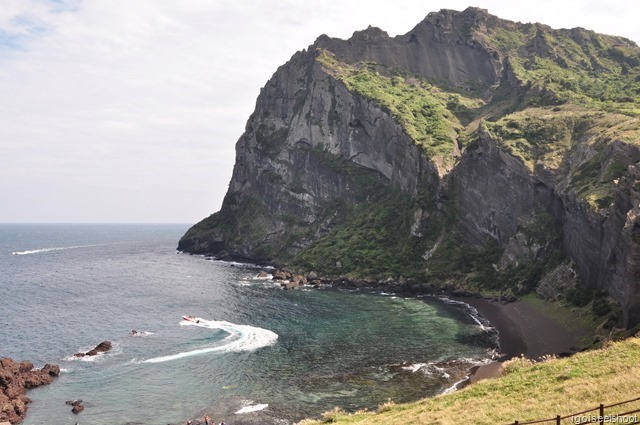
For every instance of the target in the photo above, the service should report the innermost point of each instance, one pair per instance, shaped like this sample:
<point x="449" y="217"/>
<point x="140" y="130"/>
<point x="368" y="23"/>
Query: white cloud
<point x="114" y="110"/>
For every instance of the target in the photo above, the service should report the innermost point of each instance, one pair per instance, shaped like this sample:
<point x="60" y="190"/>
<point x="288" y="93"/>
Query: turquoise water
<point x="259" y="355"/>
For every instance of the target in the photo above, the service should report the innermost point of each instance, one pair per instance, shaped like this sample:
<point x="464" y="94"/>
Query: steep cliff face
<point x="499" y="194"/>
<point x="440" y="48"/>
<point x="468" y="135"/>
<point x="304" y="145"/>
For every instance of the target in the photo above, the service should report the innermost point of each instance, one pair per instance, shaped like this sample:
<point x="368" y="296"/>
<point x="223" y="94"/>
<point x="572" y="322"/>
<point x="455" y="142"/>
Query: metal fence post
<point x="601" y="418"/>
<point x="558" y="420"/>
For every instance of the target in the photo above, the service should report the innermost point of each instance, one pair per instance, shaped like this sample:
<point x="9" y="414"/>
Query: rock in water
<point x="103" y="347"/>
<point x="77" y="406"/>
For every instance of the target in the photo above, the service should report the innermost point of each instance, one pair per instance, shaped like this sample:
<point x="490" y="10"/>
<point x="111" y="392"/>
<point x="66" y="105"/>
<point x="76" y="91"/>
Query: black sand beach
<point x="523" y="330"/>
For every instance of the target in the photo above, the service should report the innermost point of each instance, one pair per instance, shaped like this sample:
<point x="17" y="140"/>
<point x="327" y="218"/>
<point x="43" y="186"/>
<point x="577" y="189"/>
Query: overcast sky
<point x="129" y="110"/>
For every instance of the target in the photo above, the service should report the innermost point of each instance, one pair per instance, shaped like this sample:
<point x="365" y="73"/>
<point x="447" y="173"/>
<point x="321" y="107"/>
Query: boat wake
<point x="59" y="248"/>
<point x="241" y="338"/>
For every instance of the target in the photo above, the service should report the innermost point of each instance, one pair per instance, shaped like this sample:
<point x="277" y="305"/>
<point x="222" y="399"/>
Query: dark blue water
<point x="259" y="355"/>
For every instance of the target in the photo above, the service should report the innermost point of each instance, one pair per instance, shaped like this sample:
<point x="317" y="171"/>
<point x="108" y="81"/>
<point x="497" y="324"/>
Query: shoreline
<point x="522" y="327"/>
<point x="523" y="330"/>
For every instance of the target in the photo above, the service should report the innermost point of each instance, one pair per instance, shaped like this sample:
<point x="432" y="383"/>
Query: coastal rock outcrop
<point x="15" y="379"/>
<point x="103" y="347"/>
<point x="471" y="148"/>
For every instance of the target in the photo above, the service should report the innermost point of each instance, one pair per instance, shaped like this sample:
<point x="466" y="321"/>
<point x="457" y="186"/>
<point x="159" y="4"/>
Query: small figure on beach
<point x="206" y="420"/>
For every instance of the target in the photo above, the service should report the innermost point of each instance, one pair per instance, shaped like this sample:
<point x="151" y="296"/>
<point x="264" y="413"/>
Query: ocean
<point x="259" y="354"/>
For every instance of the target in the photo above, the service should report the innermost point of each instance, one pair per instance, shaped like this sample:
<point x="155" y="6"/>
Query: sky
<point x="128" y="111"/>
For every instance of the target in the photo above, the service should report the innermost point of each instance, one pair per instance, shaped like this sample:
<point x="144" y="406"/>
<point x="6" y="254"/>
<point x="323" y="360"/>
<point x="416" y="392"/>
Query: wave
<point x="446" y="370"/>
<point x="241" y="338"/>
<point x="140" y="333"/>
<point x="59" y="248"/>
<point x="455" y="386"/>
<point x="483" y="323"/>
<point x="267" y="277"/>
<point x="414" y="367"/>
<point x="250" y="407"/>
<point x="439" y="369"/>
<point x="238" y="264"/>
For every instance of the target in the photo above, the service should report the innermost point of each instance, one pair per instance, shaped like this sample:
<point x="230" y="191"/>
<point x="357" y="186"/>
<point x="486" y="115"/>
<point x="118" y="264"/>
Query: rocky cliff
<point x="470" y="149"/>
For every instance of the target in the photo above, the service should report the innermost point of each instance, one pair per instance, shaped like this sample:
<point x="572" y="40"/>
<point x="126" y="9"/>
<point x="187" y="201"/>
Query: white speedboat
<point x="191" y="319"/>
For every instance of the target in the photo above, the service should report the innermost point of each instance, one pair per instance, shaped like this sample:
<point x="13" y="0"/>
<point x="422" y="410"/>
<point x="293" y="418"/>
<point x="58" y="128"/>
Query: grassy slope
<point x="526" y="392"/>
<point x="571" y="66"/>
<point x="544" y="136"/>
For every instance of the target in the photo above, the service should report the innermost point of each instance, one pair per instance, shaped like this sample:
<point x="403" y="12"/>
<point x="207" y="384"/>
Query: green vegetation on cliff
<point x="372" y="235"/>
<point x="571" y="66"/>
<point x="418" y="106"/>
<point x="476" y="267"/>
<point x="527" y="391"/>
<point x="550" y="137"/>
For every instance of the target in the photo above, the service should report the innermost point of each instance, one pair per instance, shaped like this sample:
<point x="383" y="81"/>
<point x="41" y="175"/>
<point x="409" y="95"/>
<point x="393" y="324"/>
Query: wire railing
<point x="597" y="415"/>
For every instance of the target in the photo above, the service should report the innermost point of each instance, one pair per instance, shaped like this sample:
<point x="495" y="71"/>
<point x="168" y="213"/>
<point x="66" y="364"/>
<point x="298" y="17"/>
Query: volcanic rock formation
<point x="15" y="379"/>
<point x="471" y="149"/>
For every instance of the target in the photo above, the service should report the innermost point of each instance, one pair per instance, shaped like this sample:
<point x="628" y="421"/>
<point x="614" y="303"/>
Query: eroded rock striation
<point x="15" y="379"/>
<point x="471" y="149"/>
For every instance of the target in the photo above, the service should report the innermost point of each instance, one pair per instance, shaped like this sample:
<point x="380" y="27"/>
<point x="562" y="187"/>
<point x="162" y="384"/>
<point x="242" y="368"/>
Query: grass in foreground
<point x="526" y="392"/>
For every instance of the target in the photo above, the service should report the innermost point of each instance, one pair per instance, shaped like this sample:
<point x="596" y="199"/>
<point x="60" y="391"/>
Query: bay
<point x="259" y="355"/>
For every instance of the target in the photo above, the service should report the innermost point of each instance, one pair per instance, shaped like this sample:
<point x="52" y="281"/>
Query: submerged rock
<point x="77" y="406"/>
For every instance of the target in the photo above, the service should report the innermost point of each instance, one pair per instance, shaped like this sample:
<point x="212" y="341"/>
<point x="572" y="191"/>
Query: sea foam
<point x="473" y="313"/>
<point x="250" y="407"/>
